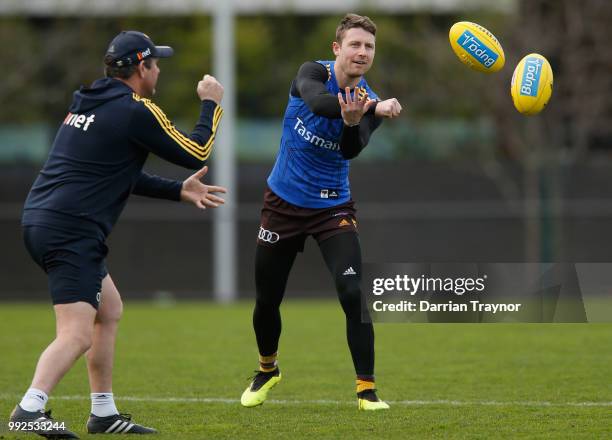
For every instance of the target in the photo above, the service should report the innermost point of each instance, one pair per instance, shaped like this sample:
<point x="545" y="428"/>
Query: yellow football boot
<point x="257" y="391"/>
<point x="367" y="400"/>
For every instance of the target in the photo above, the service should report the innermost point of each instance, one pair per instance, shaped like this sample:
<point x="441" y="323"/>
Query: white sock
<point x="34" y="400"/>
<point x="103" y="404"/>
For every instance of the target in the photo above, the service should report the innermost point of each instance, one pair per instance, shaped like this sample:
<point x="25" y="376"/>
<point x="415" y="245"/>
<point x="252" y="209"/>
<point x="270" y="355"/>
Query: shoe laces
<point x="260" y="378"/>
<point x="125" y="417"/>
<point x="47" y="414"/>
<point x="259" y="373"/>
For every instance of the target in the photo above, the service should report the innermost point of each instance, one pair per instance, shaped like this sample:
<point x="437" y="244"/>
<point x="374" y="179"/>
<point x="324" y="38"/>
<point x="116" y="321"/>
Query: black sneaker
<point x="39" y="422"/>
<point x="116" y="424"/>
<point x="257" y="392"/>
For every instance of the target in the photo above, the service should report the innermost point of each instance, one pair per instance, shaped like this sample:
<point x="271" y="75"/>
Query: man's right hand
<point x="353" y="109"/>
<point x="201" y="195"/>
<point x="389" y="108"/>
<point x="210" y="88"/>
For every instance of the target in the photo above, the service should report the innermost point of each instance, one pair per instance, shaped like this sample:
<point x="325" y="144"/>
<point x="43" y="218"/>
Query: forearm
<point x="153" y="131"/>
<point x="158" y="187"/>
<point x="203" y="129"/>
<point x="356" y="138"/>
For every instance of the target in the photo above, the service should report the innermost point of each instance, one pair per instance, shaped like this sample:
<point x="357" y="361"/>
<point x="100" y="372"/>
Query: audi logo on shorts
<point x="268" y="236"/>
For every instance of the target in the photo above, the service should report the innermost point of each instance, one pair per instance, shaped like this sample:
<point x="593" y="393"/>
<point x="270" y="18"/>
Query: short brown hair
<point x="123" y="72"/>
<point x="351" y="21"/>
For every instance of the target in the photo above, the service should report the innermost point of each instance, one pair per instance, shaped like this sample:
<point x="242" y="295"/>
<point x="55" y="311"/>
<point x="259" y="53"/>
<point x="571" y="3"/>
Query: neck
<point x="344" y="80"/>
<point x="133" y="83"/>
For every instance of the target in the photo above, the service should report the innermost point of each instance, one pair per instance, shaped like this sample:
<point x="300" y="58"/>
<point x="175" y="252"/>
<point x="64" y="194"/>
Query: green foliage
<point x="51" y="57"/>
<point x="191" y="38"/>
<point x="48" y="58"/>
<point x="256" y="71"/>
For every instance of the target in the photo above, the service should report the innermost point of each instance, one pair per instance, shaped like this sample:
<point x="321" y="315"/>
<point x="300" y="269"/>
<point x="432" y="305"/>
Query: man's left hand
<point x="389" y="108"/>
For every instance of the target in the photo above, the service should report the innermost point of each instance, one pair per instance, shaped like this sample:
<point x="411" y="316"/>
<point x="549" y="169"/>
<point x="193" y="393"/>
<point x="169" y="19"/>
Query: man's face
<point x="149" y="77"/>
<point x="355" y="54"/>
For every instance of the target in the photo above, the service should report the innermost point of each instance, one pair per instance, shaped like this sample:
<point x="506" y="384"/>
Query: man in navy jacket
<point x="94" y="165"/>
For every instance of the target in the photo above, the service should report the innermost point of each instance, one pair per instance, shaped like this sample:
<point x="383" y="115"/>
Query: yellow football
<point x="532" y="84"/>
<point x="476" y="47"/>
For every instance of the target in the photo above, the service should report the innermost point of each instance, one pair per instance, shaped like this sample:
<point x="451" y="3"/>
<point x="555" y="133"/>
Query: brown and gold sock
<point x="268" y="364"/>
<point x="365" y="383"/>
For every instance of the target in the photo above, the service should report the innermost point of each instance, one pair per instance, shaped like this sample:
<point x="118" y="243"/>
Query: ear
<point x="336" y="48"/>
<point x="141" y="69"/>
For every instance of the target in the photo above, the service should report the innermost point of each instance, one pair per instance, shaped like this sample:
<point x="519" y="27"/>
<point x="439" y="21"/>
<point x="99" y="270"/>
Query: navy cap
<point x="131" y="47"/>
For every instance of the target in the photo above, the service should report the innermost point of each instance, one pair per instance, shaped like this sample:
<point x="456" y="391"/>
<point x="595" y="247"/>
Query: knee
<point x="349" y="292"/>
<point x="116" y="313"/>
<point x="267" y="297"/>
<point x="83" y="341"/>
<point x="111" y="313"/>
<point x="267" y="302"/>
<point x="78" y="338"/>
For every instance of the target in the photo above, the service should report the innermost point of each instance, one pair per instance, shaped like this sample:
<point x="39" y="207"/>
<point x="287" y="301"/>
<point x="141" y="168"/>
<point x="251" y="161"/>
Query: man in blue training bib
<point x="330" y="116"/>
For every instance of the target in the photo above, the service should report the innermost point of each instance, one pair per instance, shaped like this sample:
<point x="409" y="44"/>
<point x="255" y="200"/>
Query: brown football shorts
<point x="280" y="220"/>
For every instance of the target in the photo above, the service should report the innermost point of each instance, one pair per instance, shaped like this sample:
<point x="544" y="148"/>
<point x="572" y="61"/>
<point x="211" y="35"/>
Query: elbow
<point x="196" y="163"/>
<point x="200" y="164"/>
<point x="320" y="109"/>
<point x="348" y="155"/>
<point x="315" y="108"/>
<point x="200" y="158"/>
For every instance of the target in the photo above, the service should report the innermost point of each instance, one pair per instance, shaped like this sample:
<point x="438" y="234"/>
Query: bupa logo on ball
<point x="472" y="45"/>
<point x="531" y="76"/>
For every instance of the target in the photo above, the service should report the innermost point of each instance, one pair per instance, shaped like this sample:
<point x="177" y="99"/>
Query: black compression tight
<point x="272" y="267"/>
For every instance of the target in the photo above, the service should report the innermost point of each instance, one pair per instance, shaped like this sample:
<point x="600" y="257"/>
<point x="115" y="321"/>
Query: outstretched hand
<point x="201" y="195"/>
<point x="353" y="109"/>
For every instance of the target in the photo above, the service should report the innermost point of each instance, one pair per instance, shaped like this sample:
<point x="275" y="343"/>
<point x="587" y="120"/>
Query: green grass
<point x="506" y="380"/>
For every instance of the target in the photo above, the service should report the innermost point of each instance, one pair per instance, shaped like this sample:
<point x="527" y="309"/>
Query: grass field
<point x="182" y="369"/>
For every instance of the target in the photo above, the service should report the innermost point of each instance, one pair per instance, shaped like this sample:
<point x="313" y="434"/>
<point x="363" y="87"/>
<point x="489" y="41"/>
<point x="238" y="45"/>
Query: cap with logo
<point x="131" y="47"/>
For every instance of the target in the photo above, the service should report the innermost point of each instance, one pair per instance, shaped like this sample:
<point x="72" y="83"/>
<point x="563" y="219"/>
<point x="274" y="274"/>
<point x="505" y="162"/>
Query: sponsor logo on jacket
<point x="79" y="121"/>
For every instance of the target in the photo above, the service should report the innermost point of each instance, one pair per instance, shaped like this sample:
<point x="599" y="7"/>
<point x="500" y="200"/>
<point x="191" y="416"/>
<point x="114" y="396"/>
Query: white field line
<point x="337" y="402"/>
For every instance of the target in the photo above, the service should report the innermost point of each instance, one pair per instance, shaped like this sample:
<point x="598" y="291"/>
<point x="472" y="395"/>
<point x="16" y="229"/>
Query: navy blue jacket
<point x="97" y="157"/>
